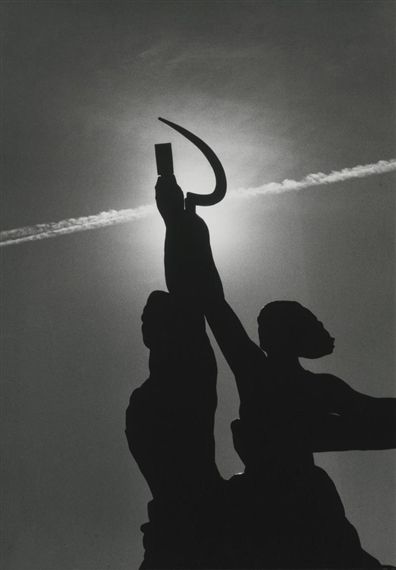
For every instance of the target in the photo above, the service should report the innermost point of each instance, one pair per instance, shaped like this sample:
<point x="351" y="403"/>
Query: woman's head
<point x="288" y="328"/>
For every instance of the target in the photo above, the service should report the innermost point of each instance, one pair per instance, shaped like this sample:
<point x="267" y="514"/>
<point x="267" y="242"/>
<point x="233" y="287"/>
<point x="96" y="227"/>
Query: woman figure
<point x="285" y="417"/>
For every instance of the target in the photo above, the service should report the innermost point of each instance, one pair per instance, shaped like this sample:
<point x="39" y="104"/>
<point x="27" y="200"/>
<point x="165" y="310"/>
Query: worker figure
<point x="170" y="432"/>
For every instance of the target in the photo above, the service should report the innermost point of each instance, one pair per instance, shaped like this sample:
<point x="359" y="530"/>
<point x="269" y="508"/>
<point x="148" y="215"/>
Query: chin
<point x="317" y="353"/>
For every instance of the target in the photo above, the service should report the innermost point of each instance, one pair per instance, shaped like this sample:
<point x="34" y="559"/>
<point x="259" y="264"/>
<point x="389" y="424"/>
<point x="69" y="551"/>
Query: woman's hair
<point x="291" y="327"/>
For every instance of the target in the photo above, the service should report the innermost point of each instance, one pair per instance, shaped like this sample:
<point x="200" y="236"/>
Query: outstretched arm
<point x="359" y="421"/>
<point x="191" y="272"/>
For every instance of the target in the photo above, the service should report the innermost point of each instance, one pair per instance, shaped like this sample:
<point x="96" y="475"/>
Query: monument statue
<point x="283" y="511"/>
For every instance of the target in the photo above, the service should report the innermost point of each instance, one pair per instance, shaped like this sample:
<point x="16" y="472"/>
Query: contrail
<point x="319" y="178"/>
<point x="72" y="225"/>
<point x="112" y="217"/>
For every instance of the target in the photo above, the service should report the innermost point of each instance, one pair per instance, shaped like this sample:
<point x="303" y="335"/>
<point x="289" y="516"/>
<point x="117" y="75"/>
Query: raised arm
<point x="190" y="271"/>
<point x="189" y="267"/>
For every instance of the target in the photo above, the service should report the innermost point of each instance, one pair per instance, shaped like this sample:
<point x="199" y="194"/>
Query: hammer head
<point x="164" y="159"/>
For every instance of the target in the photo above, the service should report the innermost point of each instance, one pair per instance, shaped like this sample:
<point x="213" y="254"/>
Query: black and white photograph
<point x="198" y="276"/>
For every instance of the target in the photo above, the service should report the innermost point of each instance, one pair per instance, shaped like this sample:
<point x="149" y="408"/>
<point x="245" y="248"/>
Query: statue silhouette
<point x="287" y="417"/>
<point x="283" y="512"/>
<point x="169" y="427"/>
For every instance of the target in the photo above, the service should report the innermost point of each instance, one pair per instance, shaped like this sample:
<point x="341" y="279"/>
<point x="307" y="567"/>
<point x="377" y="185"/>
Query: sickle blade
<point x="221" y="181"/>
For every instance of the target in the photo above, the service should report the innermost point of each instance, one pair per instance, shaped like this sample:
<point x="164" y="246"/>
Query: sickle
<point x="221" y="181"/>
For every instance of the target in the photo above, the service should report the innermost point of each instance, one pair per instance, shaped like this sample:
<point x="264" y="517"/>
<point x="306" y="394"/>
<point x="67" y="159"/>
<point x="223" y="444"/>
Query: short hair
<point x="164" y="310"/>
<point x="283" y="323"/>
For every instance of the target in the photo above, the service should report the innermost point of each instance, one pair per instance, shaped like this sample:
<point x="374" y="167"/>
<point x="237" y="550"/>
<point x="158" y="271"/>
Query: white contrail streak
<point x="319" y="178"/>
<point x="112" y="217"/>
<point x="72" y="225"/>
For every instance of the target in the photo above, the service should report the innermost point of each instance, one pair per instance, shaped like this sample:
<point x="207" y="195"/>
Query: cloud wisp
<point x="113" y="217"/>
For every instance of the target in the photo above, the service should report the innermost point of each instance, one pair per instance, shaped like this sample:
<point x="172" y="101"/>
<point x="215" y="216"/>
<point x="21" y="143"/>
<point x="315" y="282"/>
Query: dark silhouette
<point x="287" y="415"/>
<point x="169" y="427"/>
<point x="164" y="161"/>
<point x="283" y="511"/>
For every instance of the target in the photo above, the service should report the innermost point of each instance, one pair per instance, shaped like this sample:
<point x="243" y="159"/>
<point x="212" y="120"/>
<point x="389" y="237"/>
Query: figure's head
<point x="288" y="328"/>
<point x="167" y="323"/>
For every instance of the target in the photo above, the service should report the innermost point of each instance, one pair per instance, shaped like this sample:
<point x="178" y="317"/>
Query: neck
<point x="282" y="361"/>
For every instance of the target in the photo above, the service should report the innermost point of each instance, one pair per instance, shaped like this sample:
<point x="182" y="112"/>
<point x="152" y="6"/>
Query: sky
<point x="279" y="90"/>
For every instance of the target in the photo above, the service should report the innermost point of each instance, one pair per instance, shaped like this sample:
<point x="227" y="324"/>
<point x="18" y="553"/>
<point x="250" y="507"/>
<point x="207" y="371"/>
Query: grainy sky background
<point x="279" y="90"/>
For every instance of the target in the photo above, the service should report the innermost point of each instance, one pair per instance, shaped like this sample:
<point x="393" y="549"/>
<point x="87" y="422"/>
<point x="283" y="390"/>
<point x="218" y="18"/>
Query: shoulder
<point x="330" y="380"/>
<point x="252" y="370"/>
<point x="330" y="385"/>
<point x="252" y="358"/>
<point x="256" y="358"/>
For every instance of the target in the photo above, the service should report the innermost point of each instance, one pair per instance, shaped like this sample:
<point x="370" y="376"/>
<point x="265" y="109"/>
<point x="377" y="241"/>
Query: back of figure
<point x="169" y="426"/>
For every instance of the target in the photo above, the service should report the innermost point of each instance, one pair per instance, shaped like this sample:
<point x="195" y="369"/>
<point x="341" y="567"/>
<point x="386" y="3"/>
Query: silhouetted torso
<point x="169" y="426"/>
<point x="170" y="421"/>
